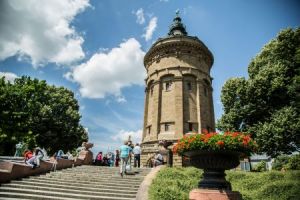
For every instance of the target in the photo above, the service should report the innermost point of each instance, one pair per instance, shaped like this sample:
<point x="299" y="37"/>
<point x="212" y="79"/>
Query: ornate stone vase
<point x="214" y="164"/>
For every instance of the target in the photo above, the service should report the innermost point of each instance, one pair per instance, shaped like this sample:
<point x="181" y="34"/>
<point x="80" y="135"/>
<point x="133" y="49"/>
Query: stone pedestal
<point x="86" y="156"/>
<point x="208" y="194"/>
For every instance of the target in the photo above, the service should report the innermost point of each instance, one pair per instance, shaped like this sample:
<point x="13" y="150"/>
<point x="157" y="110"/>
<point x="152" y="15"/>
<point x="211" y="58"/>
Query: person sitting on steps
<point x="29" y="158"/>
<point x="38" y="153"/>
<point x="99" y="159"/>
<point x="158" y="159"/>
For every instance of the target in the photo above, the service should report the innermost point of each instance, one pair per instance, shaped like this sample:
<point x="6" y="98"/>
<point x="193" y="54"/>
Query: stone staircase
<point x="83" y="182"/>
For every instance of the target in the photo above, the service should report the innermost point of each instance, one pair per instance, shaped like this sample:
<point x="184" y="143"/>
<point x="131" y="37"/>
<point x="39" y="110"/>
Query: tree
<point x="267" y="104"/>
<point x="38" y="114"/>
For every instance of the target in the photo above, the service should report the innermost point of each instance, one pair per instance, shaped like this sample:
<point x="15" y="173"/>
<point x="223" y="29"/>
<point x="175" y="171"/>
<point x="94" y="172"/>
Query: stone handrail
<point x="14" y="168"/>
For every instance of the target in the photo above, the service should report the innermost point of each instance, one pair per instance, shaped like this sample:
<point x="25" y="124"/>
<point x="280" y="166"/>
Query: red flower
<point x="235" y="141"/>
<point x="220" y="143"/>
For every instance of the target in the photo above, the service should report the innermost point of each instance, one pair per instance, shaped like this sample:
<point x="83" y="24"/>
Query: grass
<point x="176" y="183"/>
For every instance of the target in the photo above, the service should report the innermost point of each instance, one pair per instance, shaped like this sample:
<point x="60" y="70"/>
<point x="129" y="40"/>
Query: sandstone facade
<point x="178" y="90"/>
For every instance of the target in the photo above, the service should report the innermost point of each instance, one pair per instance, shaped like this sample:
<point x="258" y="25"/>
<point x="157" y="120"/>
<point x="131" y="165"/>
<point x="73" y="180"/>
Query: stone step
<point x="11" y="198"/>
<point x="95" y="168"/>
<point x="76" y="176"/>
<point x="91" y="187"/>
<point x="100" y="172"/>
<point x="83" y="170"/>
<point x="34" y="189"/>
<point x="88" y="180"/>
<point x="13" y="195"/>
<point x="64" y="194"/>
<point x="66" y="182"/>
<point x="96" y="173"/>
<point x="91" y="178"/>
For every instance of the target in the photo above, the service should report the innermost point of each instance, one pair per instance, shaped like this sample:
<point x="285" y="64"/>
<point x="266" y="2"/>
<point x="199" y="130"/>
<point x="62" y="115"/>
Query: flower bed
<point x="228" y="141"/>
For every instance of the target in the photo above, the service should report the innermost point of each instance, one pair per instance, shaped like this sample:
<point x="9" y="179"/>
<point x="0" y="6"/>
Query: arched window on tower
<point x="166" y="82"/>
<point x="151" y="90"/>
<point x="167" y="127"/>
<point x="149" y="130"/>
<point x="206" y="85"/>
<point x="168" y="85"/>
<point x="189" y="86"/>
<point x="190" y="127"/>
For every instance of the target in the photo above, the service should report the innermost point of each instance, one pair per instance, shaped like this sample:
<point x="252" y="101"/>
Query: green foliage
<point x="280" y="162"/>
<point x="294" y="162"/>
<point x="38" y="114"/>
<point x="174" y="183"/>
<point x="271" y="185"/>
<point x="261" y="166"/>
<point x="268" y="103"/>
<point x="266" y="185"/>
<point x="287" y="162"/>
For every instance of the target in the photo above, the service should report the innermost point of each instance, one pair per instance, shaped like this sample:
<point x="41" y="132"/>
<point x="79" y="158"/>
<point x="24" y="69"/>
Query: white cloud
<point x="8" y="76"/>
<point x="121" y="99"/>
<point x="106" y="73"/>
<point x="136" y="136"/>
<point x="150" y="28"/>
<point x="140" y="19"/>
<point x="41" y="30"/>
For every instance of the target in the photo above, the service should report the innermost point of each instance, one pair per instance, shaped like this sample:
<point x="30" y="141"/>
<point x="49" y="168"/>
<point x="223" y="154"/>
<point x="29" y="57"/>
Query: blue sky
<point x="95" y="48"/>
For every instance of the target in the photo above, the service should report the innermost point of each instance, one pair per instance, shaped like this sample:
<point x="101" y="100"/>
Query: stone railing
<point x="14" y="167"/>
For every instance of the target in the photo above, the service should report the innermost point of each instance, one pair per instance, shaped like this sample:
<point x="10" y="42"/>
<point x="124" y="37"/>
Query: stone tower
<point x="178" y="89"/>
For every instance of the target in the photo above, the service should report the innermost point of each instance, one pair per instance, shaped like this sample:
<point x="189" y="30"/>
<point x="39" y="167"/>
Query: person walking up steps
<point x="137" y="155"/>
<point x="125" y="151"/>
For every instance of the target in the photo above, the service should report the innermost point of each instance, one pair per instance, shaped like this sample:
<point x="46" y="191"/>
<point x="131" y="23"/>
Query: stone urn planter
<point x="214" y="164"/>
<point x="215" y="153"/>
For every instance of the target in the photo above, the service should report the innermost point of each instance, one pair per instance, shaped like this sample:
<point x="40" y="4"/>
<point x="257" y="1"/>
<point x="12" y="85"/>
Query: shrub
<point x="261" y="166"/>
<point x="280" y="161"/>
<point x="176" y="183"/>
<point x="293" y="162"/>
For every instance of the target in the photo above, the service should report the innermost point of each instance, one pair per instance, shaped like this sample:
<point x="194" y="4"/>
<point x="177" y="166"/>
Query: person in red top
<point x="29" y="158"/>
<point x="99" y="159"/>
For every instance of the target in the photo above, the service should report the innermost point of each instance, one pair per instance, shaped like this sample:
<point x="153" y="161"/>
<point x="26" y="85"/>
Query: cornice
<point x="177" y="46"/>
<point x="157" y="72"/>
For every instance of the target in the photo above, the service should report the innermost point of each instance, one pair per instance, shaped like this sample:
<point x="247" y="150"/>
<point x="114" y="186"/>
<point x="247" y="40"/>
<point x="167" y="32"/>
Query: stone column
<point x="146" y="113"/>
<point x="212" y="116"/>
<point x="179" y="121"/>
<point x="198" y="106"/>
<point x="156" y="111"/>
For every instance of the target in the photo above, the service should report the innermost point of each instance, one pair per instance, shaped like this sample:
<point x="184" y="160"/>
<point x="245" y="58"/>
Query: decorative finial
<point x="177" y="27"/>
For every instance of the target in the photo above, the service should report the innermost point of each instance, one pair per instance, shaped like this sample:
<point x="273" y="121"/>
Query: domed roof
<point x="177" y="27"/>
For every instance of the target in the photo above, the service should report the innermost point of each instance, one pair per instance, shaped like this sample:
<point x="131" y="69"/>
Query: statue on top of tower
<point x="177" y="27"/>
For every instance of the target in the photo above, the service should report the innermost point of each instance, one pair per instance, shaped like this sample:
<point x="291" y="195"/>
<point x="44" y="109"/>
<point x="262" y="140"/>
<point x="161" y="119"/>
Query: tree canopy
<point x="267" y="104"/>
<point x="38" y="114"/>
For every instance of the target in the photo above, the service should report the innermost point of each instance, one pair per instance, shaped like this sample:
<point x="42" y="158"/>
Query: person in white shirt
<point x="137" y="155"/>
<point x="158" y="159"/>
